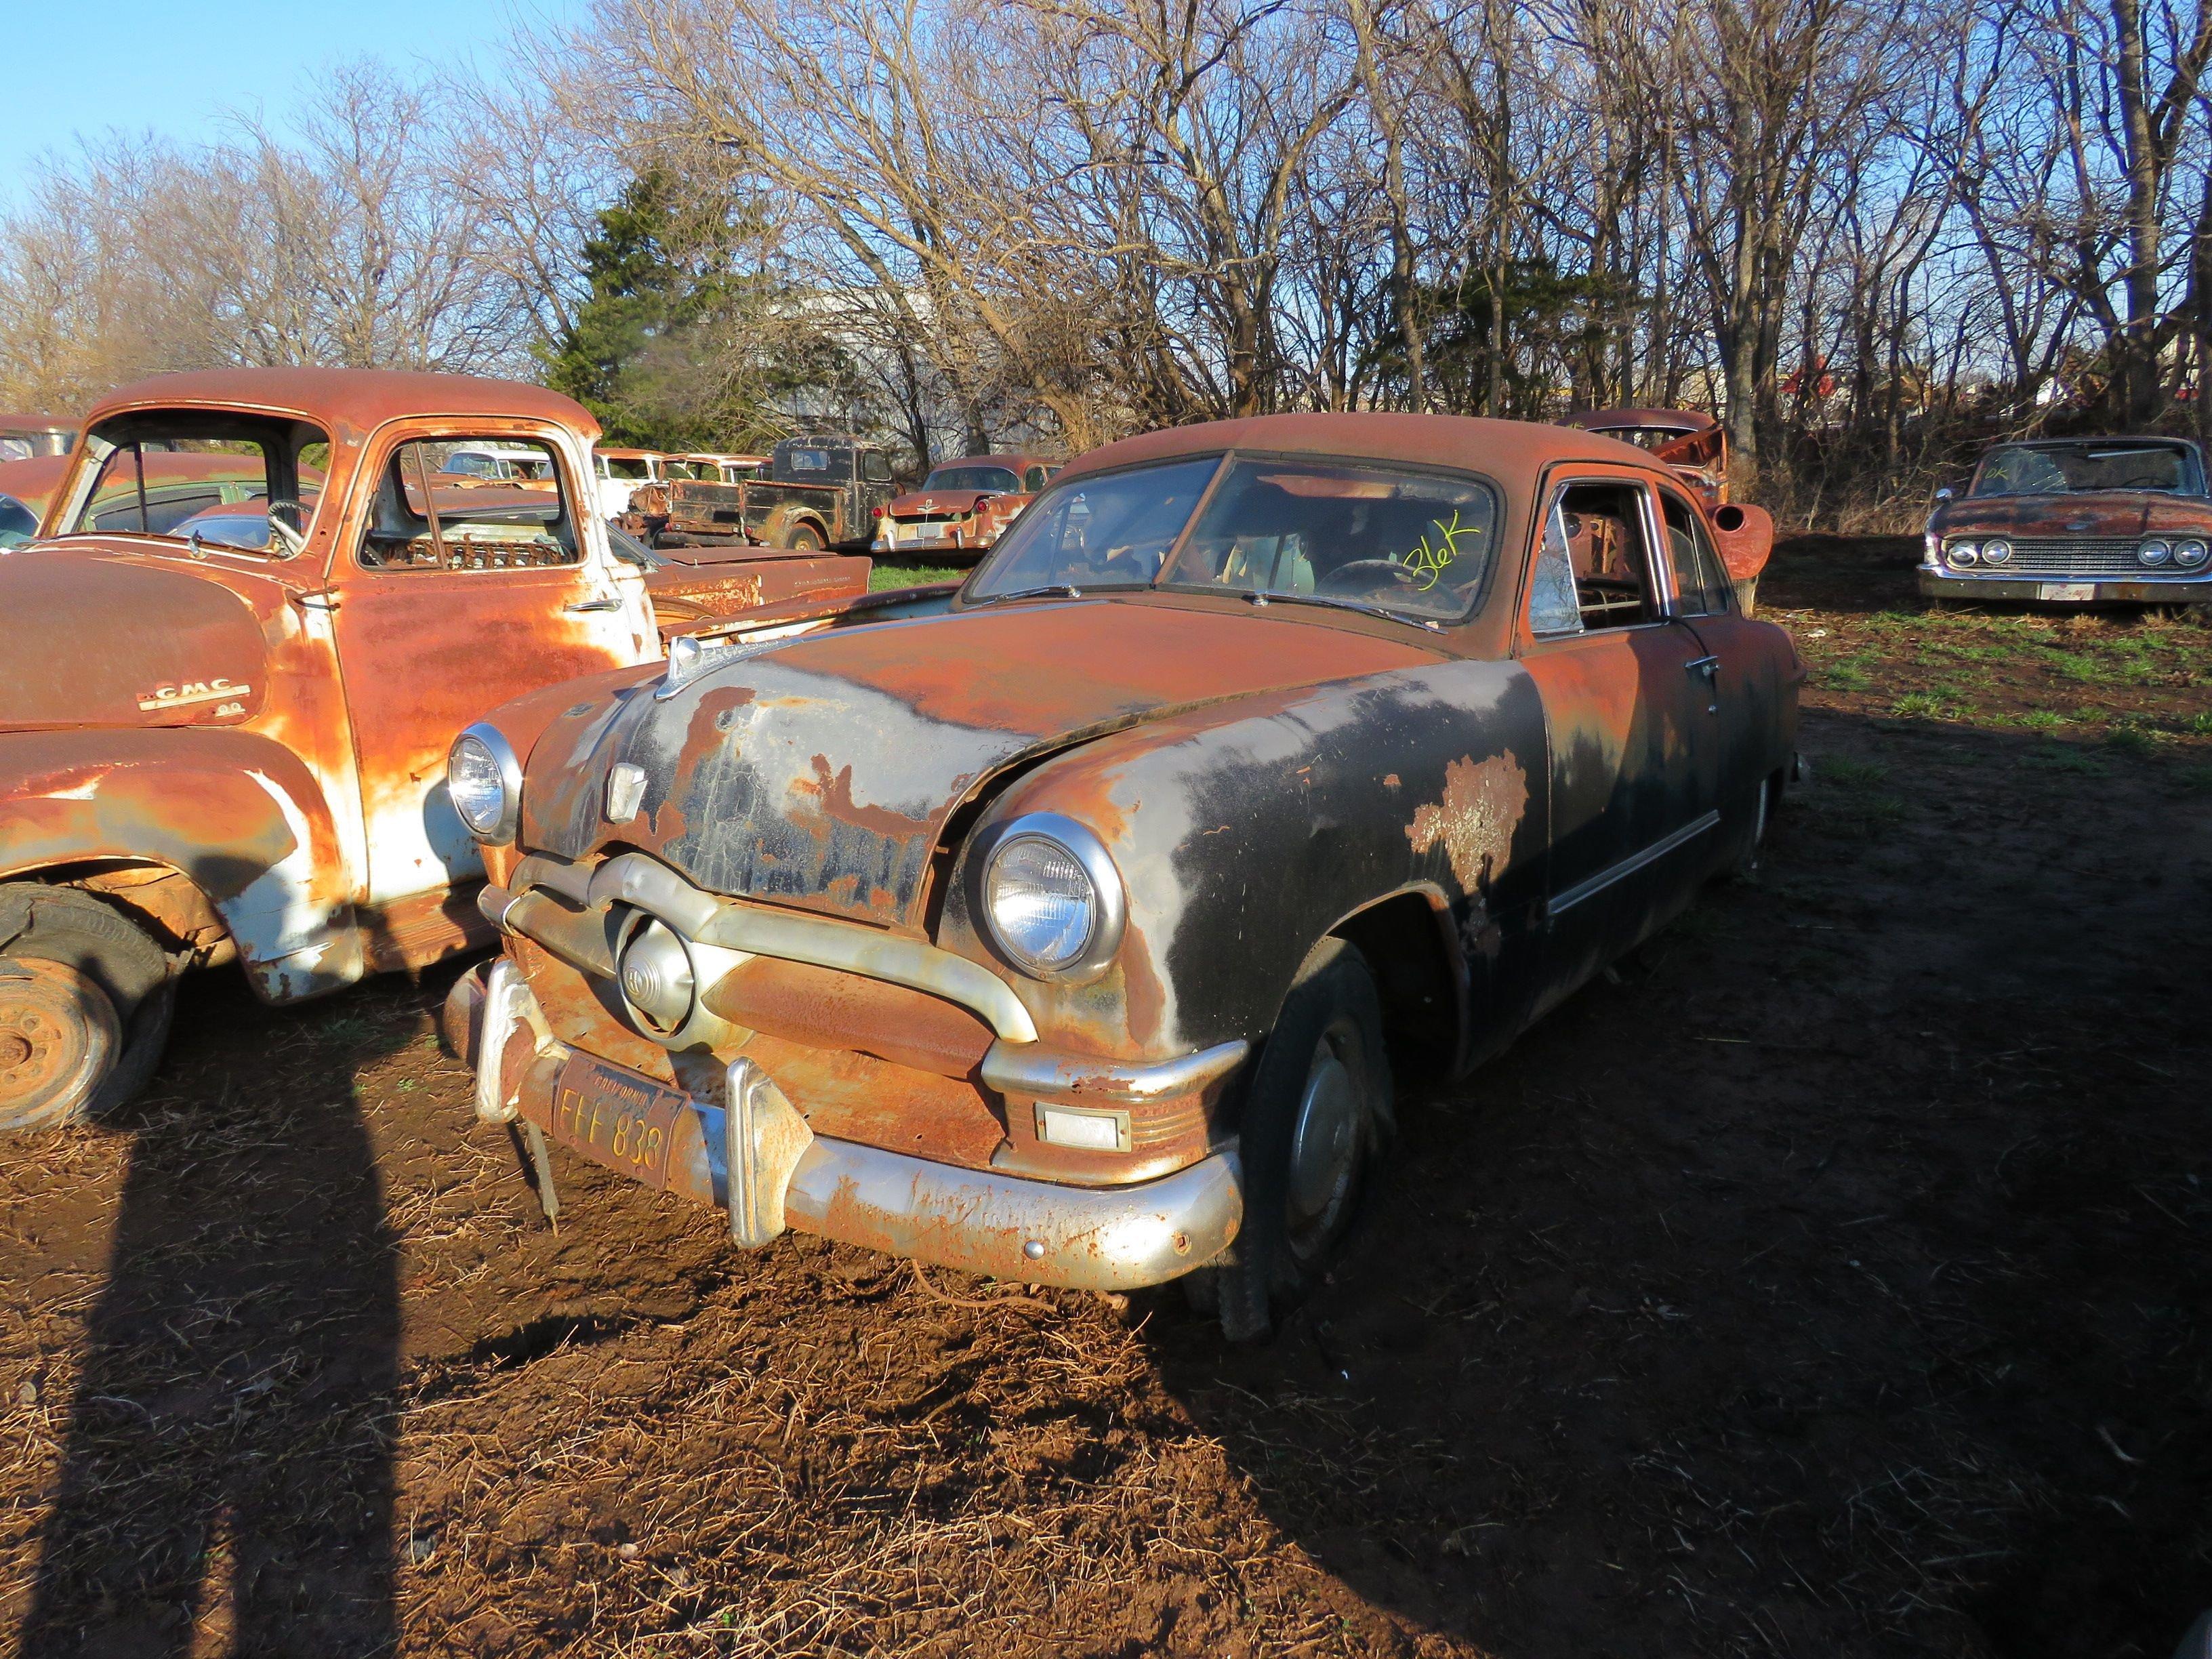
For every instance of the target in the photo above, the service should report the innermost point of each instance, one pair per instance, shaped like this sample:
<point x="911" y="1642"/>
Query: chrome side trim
<point x="1035" y="1070"/>
<point x="820" y="941"/>
<point x="1593" y="885"/>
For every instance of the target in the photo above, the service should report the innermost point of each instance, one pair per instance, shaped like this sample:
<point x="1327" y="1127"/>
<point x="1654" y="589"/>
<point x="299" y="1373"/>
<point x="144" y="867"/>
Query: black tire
<point x="86" y="997"/>
<point x="1323" y="1072"/>
<point x="804" y="537"/>
<point x="1744" y="866"/>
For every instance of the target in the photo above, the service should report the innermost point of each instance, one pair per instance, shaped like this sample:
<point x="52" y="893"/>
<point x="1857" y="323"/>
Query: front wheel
<point x="1315" y="1122"/>
<point x="85" y="1001"/>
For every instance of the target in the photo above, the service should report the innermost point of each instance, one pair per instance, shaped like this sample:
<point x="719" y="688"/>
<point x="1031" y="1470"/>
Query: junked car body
<point x="258" y="606"/>
<point x="1074" y="934"/>
<point x="963" y="506"/>
<point x="1689" y="440"/>
<point x="2076" y="521"/>
<point x="820" y="492"/>
<point x="25" y="436"/>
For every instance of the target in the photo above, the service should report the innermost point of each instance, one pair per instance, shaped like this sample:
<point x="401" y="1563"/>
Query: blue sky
<point x="176" y="68"/>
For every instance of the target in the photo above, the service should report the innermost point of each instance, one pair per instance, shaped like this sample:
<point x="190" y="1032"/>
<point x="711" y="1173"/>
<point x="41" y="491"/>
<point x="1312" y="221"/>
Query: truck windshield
<point x="1366" y="536"/>
<point x="2071" y="469"/>
<point x="161" y="473"/>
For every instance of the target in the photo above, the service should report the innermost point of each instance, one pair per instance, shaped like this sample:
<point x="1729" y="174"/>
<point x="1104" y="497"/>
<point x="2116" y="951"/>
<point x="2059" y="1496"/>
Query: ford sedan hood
<point x="2104" y="513"/>
<point x="97" y="640"/>
<point x="821" y="771"/>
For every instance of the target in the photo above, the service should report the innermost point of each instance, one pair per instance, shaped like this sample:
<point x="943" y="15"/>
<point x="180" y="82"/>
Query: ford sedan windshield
<point x="2067" y="469"/>
<point x="1410" y="543"/>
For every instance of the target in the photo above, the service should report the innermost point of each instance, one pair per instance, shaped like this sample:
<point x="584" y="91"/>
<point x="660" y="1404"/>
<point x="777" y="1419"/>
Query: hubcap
<point x="1325" y="1148"/>
<point x="58" y="1034"/>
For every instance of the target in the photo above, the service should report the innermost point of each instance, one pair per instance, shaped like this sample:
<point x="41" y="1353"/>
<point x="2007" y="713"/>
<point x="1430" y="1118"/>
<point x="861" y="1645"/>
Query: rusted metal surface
<point x="1258" y="777"/>
<point x="835" y="506"/>
<point x="949" y="514"/>
<point x="267" y="734"/>
<point x="1691" y="441"/>
<point x="2077" y="535"/>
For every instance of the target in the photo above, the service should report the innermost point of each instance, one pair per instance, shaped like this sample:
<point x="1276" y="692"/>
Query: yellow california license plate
<point x="617" y="1117"/>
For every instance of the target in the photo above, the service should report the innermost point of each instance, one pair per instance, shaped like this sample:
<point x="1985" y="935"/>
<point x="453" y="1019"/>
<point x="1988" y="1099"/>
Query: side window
<point x="1697" y="575"/>
<point x="1593" y="569"/>
<point x="874" y="468"/>
<point x="427" y="515"/>
<point x="1033" y="480"/>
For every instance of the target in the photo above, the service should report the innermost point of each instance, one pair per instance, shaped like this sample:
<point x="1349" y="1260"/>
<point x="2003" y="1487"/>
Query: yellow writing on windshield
<point x="1429" y="559"/>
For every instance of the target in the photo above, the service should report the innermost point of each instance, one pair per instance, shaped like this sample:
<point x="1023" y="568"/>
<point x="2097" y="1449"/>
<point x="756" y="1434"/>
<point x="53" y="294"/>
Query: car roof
<point x="19" y="422"/>
<point x="356" y="398"/>
<point x="1015" y="460"/>
<point x="1471" y="443"/>
<point x="1653" y="420"/>
<point x="2147" y="440"/>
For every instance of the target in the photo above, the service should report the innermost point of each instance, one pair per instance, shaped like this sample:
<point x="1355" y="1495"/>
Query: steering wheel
<point x="1363" y="572"/>
<point x="294" y="540"/>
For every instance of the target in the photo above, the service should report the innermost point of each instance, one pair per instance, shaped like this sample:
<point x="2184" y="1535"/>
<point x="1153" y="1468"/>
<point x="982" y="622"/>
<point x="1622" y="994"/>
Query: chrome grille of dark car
<point x="2078" y="555"/>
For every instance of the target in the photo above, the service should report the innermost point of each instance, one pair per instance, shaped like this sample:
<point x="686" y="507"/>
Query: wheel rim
<point x="1327" y="1143"/>
<point x="58" y="1035"/>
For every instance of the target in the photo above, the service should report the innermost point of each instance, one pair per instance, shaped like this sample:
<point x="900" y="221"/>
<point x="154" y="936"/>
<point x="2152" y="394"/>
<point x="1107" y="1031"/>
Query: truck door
<point x="1628" y="694"/>
<point x="874" y="492"/>
<point x="453" y="597"/>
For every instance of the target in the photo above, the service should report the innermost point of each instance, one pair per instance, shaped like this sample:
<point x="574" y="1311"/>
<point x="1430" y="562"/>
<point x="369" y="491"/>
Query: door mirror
<point x="1944" y="493"/>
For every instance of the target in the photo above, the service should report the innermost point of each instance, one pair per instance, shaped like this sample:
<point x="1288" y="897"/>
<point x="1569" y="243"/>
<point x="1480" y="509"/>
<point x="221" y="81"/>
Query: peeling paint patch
<point x="1474" y="823"/>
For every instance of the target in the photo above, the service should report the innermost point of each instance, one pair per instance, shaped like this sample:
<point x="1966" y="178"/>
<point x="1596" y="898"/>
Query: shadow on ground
<point x="224" y="1471"/>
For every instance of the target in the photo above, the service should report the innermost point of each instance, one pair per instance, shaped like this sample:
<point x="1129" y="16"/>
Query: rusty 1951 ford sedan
<point x="2076" y="520"/>
<point x="1074" y="928"/>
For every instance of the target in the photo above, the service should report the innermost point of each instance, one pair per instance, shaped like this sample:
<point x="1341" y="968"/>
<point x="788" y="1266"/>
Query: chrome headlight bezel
<point x="498" y="827"/>
<point x="1110" y="899"/>
<point x="2155" y="552"/>
<point x="2195" y="548"/>
<point x="1997" y="551"/>
<point x="1962" y="555"/>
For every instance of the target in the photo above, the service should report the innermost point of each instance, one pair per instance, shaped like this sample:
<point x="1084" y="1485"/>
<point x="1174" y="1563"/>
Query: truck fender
<point x="236" y="813"/>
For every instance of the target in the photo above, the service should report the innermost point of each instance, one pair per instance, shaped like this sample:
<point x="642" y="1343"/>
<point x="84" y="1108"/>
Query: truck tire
<point x="1314" y="1122"/>
<point x="802" y="536"/>
<point x="86" y="995"/>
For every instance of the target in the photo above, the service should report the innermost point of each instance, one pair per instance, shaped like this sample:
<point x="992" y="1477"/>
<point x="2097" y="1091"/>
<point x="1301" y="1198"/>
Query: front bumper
<point x="767" y="1171"/>
<point x="1937" y="584"/>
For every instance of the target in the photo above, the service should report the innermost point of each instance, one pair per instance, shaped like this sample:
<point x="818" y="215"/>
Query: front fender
<point x="236" y="812"/>
<point x="1245" y="833"/>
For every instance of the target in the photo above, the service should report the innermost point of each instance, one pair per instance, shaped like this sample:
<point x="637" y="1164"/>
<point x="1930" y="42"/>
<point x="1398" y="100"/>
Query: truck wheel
<point x="804" y="537"/>
<point x="85" y="1000"/>
<point x="1317" y="1115"/>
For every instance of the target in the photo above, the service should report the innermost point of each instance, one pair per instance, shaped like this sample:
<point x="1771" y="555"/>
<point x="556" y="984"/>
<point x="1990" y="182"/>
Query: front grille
<point x="2080" y="555"/>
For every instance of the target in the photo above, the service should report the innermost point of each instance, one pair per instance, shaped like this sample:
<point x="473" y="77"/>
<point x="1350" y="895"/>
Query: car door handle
<point x="1710" y="668"/>
<point x="603" y="604"/>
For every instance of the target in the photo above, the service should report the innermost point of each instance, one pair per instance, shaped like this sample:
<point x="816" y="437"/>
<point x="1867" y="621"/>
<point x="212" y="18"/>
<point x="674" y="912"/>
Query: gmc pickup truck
<point x="259" y="604"/>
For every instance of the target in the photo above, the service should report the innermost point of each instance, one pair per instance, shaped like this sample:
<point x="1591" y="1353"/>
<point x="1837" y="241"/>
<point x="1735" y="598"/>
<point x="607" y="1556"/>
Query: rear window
<point x="999" y="479"/>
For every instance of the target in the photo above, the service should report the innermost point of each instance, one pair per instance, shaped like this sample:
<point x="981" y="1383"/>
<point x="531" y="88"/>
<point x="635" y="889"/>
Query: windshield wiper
<point x="1334" y="603"/>
<point x="1062" y="589"/>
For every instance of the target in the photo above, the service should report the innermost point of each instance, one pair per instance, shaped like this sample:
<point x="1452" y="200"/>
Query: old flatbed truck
<point x="223" y="717"/>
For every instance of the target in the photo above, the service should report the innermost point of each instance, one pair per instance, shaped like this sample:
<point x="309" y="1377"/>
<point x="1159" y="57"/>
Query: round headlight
<point x="1052" y="897"/>
<point x="655" y="973"/>
<point x="1964" y="554"/>
<point x="2154" y="552"/>
<point x="1996" y="552"/>
<point x="484" y="780"/>
<point x="2189" y="554"/>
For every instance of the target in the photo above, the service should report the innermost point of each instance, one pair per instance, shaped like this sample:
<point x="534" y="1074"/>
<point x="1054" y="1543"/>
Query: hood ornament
<point x="690" y="656"/>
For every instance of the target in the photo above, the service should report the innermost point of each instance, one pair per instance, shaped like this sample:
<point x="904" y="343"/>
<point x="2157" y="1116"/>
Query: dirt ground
<point x="1832" y="1283"/>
